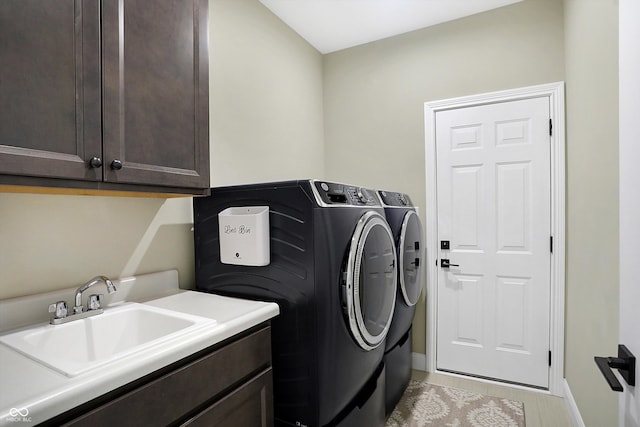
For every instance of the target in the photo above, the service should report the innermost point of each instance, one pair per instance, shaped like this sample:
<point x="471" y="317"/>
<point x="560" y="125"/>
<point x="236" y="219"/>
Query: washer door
<point x="411" y="254"/>
<point x="371" y="280"/>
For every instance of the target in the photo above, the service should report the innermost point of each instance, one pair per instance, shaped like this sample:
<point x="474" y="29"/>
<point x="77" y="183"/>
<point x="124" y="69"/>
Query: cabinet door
<point x="155" y="92"/>
<point x="50" y="88"/>
<point x="250" y="405"/>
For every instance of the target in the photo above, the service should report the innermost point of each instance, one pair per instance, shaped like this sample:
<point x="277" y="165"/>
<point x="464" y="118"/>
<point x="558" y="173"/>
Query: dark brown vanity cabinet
<point x="105" y="94"/>
<point x="229" y="385"/>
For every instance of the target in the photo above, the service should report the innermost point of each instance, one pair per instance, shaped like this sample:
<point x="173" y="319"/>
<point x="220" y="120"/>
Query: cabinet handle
<point x="116" y="165"/>
<point x="95" y="162"/>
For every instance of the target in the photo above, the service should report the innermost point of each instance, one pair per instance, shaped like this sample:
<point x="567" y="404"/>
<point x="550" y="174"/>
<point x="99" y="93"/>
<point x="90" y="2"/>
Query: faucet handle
<point x="93" y="303"/>
<point x="59" y="308"/>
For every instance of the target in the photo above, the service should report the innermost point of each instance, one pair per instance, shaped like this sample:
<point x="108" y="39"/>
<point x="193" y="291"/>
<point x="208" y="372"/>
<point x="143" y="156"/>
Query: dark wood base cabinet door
<point x="50" y="123"/>
<point x="249" y="406"/>
<point x="156" y="92"/>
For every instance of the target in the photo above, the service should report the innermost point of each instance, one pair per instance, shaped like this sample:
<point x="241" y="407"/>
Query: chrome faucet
<point x="93" y="303"/>
<point x="111" y="288"/>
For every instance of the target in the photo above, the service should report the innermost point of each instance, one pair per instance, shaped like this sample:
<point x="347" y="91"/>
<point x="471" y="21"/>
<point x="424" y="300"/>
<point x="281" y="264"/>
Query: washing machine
<point x="407" y="232"/>
<point x="332" y="271"/>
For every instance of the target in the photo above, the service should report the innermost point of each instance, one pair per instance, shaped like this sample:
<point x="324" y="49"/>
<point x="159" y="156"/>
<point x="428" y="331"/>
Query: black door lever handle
<point x="445" y="263"/>
<point x="625" y="363"/>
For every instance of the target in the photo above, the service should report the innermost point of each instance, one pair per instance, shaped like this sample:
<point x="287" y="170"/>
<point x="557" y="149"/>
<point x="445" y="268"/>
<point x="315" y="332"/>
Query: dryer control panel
<point x="333" y="194"/>
<point x="391" y="198"/>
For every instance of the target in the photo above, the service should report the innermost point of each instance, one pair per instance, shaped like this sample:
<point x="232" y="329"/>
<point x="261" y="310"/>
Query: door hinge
<point x="550" y="127"/>
<point x="551" y="243"/>
<point x="549" y="357"/>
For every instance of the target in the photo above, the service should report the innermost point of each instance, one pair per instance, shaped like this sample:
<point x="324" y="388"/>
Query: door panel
<point x="50" y="88"/>
<point x="156" y="92"/>
<point x="513" y="207"/>
<point x="493" y="195"/>
<point x="469" y="310"/>
<point x="510" y="329"/>
<point x="465" y="183"/>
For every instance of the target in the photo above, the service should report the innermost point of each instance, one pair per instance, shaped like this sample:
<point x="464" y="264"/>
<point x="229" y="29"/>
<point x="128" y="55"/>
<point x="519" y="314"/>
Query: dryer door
<point x="371" y="280"/>
<point x="411" y="254"/>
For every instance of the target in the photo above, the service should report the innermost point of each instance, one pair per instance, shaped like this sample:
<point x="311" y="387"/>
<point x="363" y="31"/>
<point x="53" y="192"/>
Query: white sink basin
<point x="81" y="345"/>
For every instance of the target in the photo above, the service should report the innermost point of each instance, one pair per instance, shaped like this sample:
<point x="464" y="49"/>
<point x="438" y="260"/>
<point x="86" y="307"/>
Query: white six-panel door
<point x="493" y="206"/>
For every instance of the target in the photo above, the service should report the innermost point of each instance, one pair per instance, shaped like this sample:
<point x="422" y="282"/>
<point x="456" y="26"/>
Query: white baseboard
<point x="419" y="361"/>
<point x="569" y="401"/>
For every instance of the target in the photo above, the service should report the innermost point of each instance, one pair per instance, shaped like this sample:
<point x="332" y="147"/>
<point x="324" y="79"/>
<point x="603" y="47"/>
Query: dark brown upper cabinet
<point x="50" y="122"/>
<point x="105" y="95"/>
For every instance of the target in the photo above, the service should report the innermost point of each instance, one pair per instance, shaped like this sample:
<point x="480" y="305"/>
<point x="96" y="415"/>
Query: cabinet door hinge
<point x="550" y="127"/>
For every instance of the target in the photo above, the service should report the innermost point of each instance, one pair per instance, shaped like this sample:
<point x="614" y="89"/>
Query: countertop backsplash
<point x="31" y="309"/>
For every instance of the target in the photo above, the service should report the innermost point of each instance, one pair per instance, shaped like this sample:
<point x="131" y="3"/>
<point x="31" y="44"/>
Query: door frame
<point x="555" y="93"/>
<point x="629" y="104"/>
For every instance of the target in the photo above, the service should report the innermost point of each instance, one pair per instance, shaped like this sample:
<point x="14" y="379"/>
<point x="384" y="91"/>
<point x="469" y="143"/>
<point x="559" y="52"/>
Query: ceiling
<point x="331" y="25"/>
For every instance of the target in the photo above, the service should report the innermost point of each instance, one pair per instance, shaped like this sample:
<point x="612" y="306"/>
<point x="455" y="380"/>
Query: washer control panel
<point x="391" y="198"/>
<point x="333" y="194"/>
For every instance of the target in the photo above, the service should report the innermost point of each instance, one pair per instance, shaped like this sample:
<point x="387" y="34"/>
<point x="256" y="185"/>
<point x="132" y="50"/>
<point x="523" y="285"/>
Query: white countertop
<point x="31" y="390"/>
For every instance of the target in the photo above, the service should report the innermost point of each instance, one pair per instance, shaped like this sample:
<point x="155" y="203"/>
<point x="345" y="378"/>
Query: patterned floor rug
<point x="425" y="404"/>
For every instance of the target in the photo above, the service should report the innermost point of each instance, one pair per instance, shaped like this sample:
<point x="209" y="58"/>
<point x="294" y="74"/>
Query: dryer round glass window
<point x="371" y="280"/>
<point x="411" y="252"/>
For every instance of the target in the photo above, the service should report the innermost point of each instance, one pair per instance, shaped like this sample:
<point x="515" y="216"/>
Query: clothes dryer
<point x="407" y="231"/>
<point x="333" y="273"/>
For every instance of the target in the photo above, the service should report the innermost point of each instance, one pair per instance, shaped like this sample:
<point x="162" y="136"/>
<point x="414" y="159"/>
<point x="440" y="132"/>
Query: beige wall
<point x="375" y="94"/>
<point x="266" y="99"/>
<point x="266" y="123"/>
<point x="591" y="57"/>
<point x="51" y="242"/>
